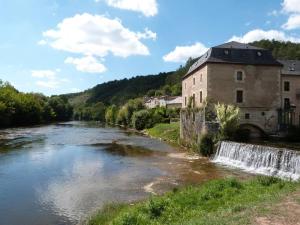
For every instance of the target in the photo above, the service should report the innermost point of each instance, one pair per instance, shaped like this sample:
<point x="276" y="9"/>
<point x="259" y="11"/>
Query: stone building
<point x="290" y="92"/>
<point x="264" y="88"/>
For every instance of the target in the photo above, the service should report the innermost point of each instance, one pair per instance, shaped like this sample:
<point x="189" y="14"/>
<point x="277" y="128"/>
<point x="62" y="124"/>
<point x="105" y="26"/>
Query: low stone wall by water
<point x="193" y="123"/>
<point x="283" y="163"/>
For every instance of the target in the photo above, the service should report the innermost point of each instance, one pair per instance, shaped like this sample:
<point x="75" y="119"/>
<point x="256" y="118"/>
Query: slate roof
<point x="235" y="53"/>
<point x="290" y="67"/>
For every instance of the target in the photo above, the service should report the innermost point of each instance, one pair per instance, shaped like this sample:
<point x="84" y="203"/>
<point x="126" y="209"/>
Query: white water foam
<point x="258" y="159"/>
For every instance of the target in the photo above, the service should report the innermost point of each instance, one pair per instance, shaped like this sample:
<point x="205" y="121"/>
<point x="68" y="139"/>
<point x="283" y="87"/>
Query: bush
<point x="141" y="120"/>
<point x="156" y="208"/>
<point x="268" y="181"/>
<point x="228" y="117"/>
<point x="206" y="144"/>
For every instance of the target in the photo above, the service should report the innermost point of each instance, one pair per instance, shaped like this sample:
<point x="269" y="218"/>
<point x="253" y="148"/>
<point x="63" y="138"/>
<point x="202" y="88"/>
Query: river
<point x="59" y="174"/>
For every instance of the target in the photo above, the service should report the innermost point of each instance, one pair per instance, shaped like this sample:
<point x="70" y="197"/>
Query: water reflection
<point x="58" y="174"/>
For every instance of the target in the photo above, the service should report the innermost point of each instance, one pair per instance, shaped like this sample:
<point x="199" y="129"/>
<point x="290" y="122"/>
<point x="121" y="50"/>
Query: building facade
<point x="249" y="77"/>
<point x="290" y="92"/>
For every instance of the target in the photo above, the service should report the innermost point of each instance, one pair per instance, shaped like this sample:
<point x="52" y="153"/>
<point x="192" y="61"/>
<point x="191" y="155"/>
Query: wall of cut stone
<point x="192" y="124"/>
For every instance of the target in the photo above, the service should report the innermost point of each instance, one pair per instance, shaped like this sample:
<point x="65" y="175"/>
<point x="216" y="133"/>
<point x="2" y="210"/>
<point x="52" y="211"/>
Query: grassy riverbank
<point x="169" y="132"/>
<point x="225" y="201"/>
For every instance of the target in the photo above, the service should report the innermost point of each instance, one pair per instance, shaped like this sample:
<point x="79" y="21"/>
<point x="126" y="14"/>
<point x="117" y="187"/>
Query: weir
<point x="283" y="163"/>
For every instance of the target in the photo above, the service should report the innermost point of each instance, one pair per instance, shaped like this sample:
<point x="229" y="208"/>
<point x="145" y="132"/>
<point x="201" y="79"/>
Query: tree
<point x="111" y="114"/>
<point x="141" y="119"/>
<point x="228" y="118"/>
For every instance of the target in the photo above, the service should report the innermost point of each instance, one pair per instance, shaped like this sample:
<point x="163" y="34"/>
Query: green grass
<point x="169" y="132"/>
<point x="225" y="201"/>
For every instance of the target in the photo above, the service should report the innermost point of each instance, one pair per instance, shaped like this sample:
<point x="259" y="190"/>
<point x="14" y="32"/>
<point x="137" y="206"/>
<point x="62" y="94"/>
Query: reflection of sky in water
<point x="70" y="173"/>
<point x="59" y="174"/>
<point x="90" y="180"/>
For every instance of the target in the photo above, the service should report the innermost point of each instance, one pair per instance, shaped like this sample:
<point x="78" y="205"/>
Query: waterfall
<point x="259" y="159"/>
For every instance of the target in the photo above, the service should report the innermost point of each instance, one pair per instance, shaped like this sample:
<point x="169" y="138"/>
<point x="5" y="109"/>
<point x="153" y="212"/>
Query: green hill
<point x="120" y="91"/>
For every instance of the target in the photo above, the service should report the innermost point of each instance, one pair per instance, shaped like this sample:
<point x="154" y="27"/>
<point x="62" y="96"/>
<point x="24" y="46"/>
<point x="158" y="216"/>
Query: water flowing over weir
<point x="265" y="160"/>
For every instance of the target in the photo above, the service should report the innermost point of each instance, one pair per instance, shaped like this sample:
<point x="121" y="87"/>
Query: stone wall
<point x="193" y="123"/>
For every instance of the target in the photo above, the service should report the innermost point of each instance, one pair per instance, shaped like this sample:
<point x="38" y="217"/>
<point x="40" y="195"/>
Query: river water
<point x="59" y="174"/>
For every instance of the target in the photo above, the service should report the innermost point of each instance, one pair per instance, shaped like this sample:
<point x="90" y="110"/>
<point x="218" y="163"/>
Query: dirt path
<point x="287" y="212"/>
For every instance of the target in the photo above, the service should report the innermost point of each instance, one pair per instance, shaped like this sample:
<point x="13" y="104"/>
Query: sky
<point x="66" y="46"/>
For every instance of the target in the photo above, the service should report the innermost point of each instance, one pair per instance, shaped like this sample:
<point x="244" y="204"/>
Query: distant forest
<point x="21" y="109"/>
<point x="280" y="50"/>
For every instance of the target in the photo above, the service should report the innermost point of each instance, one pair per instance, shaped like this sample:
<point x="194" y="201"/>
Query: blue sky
<point x="65" y="46"/>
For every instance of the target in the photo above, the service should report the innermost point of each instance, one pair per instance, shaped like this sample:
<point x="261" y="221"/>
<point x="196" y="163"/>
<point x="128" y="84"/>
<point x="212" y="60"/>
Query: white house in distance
<point x="164" y="101"/>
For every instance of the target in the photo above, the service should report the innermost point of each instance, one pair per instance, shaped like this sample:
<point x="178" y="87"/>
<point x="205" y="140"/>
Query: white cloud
<point x="147" y="7"/>
<point x="258" y="34"/>
<point x="292" y="23"/>
<point x="42" y="42"/>
<point x="273" y="13"/>
<point x="88" y="64"/>
<point x="49" y="74"/>
<point x="182" y="53"/>
<point x="52" y="84"/>
<point x="96" y="35"/>
<point x="48" y="78"/>
<point x="148" y="34"/>
<point x="291" y="6"/>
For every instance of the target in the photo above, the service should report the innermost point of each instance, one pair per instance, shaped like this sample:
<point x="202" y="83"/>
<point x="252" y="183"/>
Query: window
<point x="185" y="85"/>
<point x="239" y="96"/>
<point x="263" y="113"/>
<point x="201" y="77"/>
<point x="194" y="97"/>
<point x="184" y="101"/>
<point x="287" y="103"/>
<point x="200" y="96"/>
<point x="247" y="116"/>
<point x="286" y="86"/>
<point x="259" y="53"/>
<point x="239" y="75"/>
<point x="194" y="81"/>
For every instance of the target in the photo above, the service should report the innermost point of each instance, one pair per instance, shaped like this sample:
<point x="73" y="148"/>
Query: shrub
<point x="141" y="120"/>
<point x="206" y="144"/>
<point x="228" y="117"/>
<point x="156" y="208"/>
<point x="268" y="181"/>
<point x="111" y="114"/>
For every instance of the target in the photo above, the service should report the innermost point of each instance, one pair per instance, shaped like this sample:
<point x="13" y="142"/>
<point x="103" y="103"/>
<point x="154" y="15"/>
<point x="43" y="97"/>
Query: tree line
<point x="22" y="109"/>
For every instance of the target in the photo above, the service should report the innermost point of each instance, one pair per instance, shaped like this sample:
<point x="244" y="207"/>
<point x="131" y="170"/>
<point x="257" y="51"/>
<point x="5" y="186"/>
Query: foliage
<point x="280" y="49"/>
<point x="206" y="144"/>
<point x="141" y="119"/>
<point x="228" y="117"/>
<point x="94" y="112"/>
<point x="125" y="113"/>
<point x="224" y="201"/>
<point x="19" y="109"/>
<point x="166" y="131"/>
<point x="111" y="114"/>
